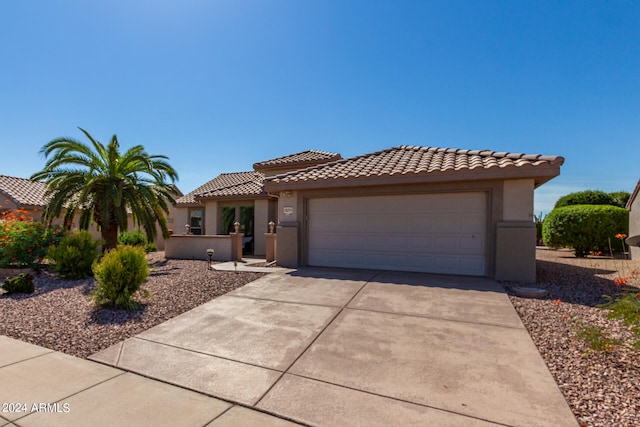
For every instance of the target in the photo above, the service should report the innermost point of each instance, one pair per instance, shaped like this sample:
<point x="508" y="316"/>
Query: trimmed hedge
<point x="593" y="197"/>
<point x="584" y="228"/>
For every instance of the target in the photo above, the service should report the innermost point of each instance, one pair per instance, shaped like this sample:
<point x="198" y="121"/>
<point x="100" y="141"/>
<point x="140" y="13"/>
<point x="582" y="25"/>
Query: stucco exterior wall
<point x="195" y="247"/>
<point x="516" y="233"/>
<point x="181" y="219"/>
<point x="518" y="200"/>
<point x="211" y="217"/>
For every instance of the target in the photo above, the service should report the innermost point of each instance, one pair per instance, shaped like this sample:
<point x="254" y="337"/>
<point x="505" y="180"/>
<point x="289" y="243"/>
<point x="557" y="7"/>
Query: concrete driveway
<point x="333" y="347"/>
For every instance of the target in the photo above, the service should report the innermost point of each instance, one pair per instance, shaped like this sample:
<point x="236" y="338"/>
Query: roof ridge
<point x="481" y="153"/>
<point x="19" y="177"/>
<point x="235" y="184"/>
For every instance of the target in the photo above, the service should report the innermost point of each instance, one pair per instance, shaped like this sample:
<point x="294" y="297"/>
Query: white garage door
<point x="437" y="233"/>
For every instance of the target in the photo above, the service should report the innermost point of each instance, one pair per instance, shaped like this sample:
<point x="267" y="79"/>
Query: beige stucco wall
<point x="263" y="213"/>
<point x="195" y="247"/>
<point x="516" y="233"/>
<point x="518" y="200"/>
<point x="634" y="226"/>
<point x="211" y="217"/>
<point x="181" y="219"/>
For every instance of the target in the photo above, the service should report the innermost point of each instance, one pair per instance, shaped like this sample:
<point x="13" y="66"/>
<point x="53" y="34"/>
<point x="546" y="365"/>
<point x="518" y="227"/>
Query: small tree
<point x="584" y="227"/>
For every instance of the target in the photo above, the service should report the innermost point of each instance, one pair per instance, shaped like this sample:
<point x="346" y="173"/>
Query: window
<point x="196" y="217"/>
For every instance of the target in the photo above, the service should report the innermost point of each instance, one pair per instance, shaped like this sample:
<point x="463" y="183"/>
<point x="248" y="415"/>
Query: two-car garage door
<point x="437" y="233"/>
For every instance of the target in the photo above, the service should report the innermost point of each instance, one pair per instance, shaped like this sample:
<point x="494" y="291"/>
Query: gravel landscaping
<point x="602" y="387"/>
<point x="59" y="315"/>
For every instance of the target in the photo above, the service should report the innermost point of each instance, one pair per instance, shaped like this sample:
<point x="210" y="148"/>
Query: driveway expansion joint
<point x="419" y="316"/>
<point x="202" y="353"/>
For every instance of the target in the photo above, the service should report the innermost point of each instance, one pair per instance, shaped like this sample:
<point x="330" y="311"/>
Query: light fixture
<point x="210" y="255"/>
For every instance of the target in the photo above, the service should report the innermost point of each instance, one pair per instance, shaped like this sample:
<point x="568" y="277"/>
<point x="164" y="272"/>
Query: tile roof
<point x="415" y="161"/>
<point x="23" y="191"/>
<point x="236" y="184"/>
<point x="302" y="158"/>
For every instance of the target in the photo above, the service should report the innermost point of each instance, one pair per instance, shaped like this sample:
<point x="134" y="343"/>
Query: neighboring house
<point x="22" y="193"/>
<point x="633" y="206"/>
<point x="426" y="209"/>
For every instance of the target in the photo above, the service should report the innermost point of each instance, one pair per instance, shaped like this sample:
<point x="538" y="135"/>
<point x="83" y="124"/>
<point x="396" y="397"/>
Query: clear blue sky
<point x="219" y="85"/>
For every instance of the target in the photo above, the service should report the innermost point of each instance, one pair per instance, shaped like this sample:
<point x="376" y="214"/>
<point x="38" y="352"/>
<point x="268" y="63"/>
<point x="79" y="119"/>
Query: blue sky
<point x="219" y="85"/>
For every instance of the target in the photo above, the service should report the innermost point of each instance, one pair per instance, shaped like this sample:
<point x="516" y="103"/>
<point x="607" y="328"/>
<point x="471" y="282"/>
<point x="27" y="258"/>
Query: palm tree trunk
<point x="110" y="236"/>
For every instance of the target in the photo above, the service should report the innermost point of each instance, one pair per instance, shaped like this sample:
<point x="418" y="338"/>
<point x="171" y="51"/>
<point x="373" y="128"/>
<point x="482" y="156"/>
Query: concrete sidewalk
<point x="42" y="387"/>
<point x="333" y="347"/>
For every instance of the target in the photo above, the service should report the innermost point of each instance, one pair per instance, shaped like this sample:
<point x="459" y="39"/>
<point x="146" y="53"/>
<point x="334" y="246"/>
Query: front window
<point x="196" y="221"/>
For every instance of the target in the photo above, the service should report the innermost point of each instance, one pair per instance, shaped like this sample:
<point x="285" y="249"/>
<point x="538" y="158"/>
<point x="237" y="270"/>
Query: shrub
<point x="120" y="274"/>
<point x="22" y="283"/>
<point x="588" y="197"/>
<point x="136" y="238"/>
<point x="584" y="228"/>
<point x="24" y="242"/>
<point x="74" y="255"/>
<point x="539" y="220"/>
<point x="620" y="198"/>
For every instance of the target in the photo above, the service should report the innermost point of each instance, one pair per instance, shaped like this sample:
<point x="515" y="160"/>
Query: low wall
<point x="195" y="247"/>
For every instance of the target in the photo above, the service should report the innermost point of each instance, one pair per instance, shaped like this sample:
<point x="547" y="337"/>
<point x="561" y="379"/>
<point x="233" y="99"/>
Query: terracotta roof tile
<point x="410" y="160"/>
<point x="24" y="191"/>
<point x="309" y="156"/>
<point x="227" y="185"/>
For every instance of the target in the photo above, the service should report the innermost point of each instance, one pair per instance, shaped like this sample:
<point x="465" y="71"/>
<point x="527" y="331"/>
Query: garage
<point x="435" y="233"/>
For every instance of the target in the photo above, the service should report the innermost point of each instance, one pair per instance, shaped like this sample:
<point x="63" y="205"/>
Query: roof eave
<point x="540" y="173"/>
<point x="633" y="196"/>
<point x="236" y="197"/>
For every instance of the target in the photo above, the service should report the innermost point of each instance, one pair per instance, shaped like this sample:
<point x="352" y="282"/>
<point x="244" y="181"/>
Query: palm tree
<point x="105" y="185"/>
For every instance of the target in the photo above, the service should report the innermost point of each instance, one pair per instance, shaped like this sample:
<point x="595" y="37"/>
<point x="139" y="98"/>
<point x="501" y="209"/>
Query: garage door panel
<point x="443" y="233"/>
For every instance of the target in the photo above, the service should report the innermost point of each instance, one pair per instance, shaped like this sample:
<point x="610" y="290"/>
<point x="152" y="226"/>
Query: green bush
<point x="594" y="197"/>
<point x="120" y="274"/>
<point x="75" y="254"/>
<point x="588" y="197"/>
<point x="136" y="238"/>
<point x="132" y="238"/>
<point x="584" y="228"/>
<point x="22" y="283"/>
<point x="620" y="198"/>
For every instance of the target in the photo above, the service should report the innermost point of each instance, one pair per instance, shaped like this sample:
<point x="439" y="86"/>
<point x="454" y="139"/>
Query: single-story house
<point x="426" y="209"/>
<point x="633" y="206"/>
<point x="23" y="193"/>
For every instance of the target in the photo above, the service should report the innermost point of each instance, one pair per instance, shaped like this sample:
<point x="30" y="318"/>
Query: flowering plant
<point x="23" y="241"/>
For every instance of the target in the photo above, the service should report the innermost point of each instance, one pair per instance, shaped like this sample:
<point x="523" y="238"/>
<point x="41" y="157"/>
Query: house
<point x="633" y="206"/>
<point x="22" y="193"/>
<point x="428" y="209"/>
